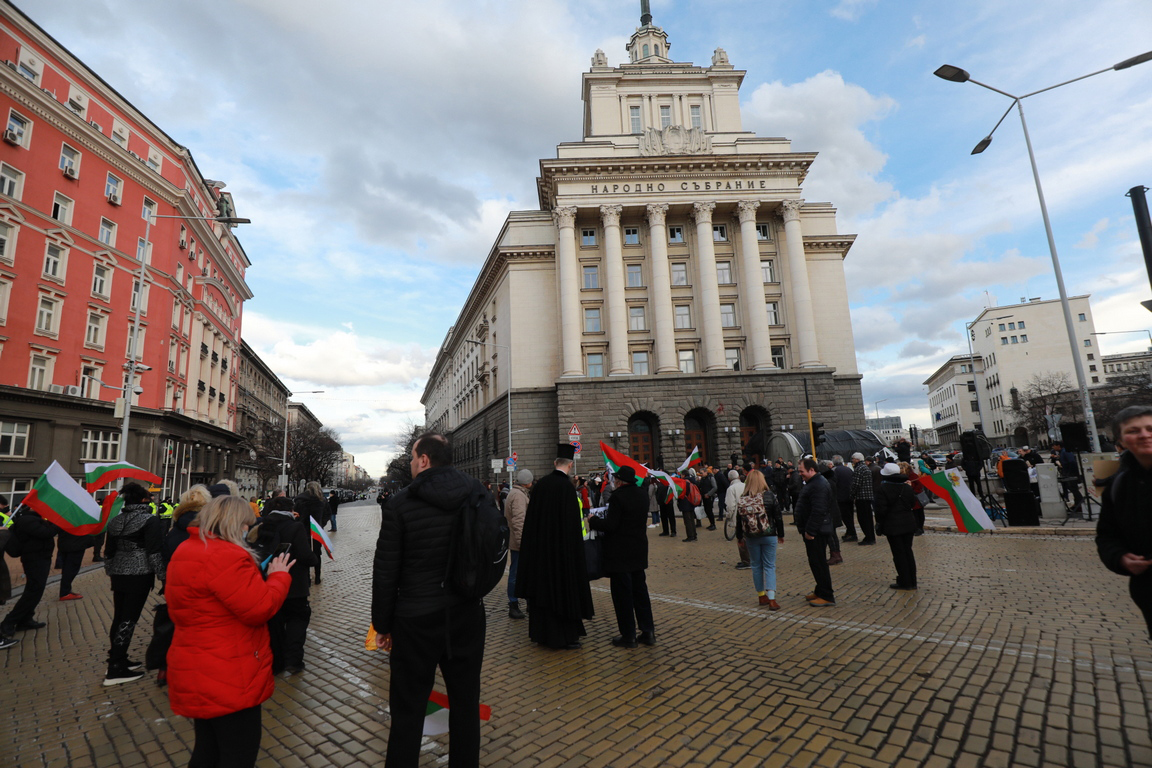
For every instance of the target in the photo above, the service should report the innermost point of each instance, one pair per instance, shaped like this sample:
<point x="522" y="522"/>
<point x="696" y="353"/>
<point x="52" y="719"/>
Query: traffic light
<point x="818" y="432"/>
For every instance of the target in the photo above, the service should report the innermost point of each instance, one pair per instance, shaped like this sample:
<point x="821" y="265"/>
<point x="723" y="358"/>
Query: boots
<point x="835" y="558"/>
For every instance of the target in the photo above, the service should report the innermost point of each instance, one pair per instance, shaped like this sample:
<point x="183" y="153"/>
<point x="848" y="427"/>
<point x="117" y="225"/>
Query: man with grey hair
<point x="515" y="508"/>
<point x="862" y="496"/>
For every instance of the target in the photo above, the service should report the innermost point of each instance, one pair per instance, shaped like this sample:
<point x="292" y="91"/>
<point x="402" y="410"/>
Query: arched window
<point x="698" y="425"/>
<point x="645" y="50"/>
<point x="642" y="434"/>
<point x="656" y="48"/>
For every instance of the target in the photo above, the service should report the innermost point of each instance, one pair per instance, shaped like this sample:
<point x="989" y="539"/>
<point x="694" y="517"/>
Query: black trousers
<point x="36" y="570"/>
<point x="318" y="550"/>
<point x="689" y="518"/>
<point x="833" y="541"/>
<point x="287" y="631"/>
<point x="1140" y="588"/>
<point x="846" y="516"/>
<point x="631" y="602"/>
<point x="864" y="517"/>
<point x="98" y="546"/>
<point x="819" y="565"/>
<point x="668" y="519"/>
<point x="708" y="510"/>
<point x="419" y="645"/>
<point x="902" y="557"/>
<point x="70" y="563"/>
<point x="228" y="741"/>
<point x="126" y="609"/>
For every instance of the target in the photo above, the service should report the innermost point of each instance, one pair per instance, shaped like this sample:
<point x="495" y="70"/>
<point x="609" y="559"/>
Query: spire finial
<point x="645" y="13"/>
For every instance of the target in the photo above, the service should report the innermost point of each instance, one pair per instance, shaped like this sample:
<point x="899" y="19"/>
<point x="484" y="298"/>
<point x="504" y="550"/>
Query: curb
<point x="1019" y="530"/>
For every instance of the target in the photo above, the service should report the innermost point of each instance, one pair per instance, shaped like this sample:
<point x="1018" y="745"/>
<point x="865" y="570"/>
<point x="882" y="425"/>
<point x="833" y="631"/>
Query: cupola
<point x="648" y="44"/>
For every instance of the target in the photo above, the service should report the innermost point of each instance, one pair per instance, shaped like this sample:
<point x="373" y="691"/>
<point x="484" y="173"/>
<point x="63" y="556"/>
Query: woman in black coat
<point x="626" y="558"/>
<point x="895" y="519"/>
<point x="311" y="505"/>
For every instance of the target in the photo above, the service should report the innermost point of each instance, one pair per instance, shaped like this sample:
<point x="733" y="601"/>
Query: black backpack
<point x="478" y="550"/>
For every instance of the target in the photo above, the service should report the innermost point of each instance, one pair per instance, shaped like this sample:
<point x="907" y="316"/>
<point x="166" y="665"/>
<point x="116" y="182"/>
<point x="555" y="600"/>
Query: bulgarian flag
<point x="673" y="486"/>
<point x="436" y="714"/>
<point x="319" y="535"/>
<point x="59" y="499"/>
<point x="693" y="458"/>
<point x="615" y="460"/>
<point x="967" y="510"/>
<point x="98" y="475"/>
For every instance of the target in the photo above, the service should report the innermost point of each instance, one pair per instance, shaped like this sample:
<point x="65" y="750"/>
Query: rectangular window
<point x="38" y="376"/>
<point x="13" y="439"/>
<point x="595" y="366"/>
<point x="763" y="232"/>
<point x="120" y="133"/>
<point x="631" y="236"/>
<point x="149" y="209"/>
<point x="100" y="274"/>
<point x="138" y="347"/>
<point x="768" y="270"/>
<point x="732" y="359"/>
<point x="773" y="309"/>
<point x="1083" y="317"/>
<point x="27" y="72"/>
<point x="591" y="277"/>
<point x="1003" y="327"/>
<point x="108" y="232"/>
<point x="591" y="320"/>
<point x="1003" y="340"/>
<point x="640" y="363"/>
<point x="694" y="112"/>
<point x="675" y="234"/>
<point x="143" y="251"/>
<point x="1014" y="340"/>
<point x="1011" y="326"/>
<point x="679" y="274"/>
<point x="6" y="251"/>
<point x="1020" y="325"/>
<point x="100" y="445"/>
<point x="1091" y="356"/>
<point x="18" y="125"/>
<point x="587" y="237"/>
<point x="112" y="186"/>
<point x="635" y="276"/>
<point x="1095" y="379"/>
<point x="11" y="181"/>
<point x="634" y="117"/>
<point x="136" y="297"/>
<point x="636" y="319"/>
<point x="720" y="233"/>
<point x="46" y="316"/>
<point x="94" y="336"/>
<point x="975" y="406"/>
<point x="90" y="382"/>
<point x="1023" y="338"/>
<point x="61" y="209"/>
<point x="1087" y="342"/>
<point x="1092" y="368"/>
<point x="69" y="160"/>
<point x="665" y="116"/>
<point x="54" y="261"/>
<point x="154" y="159"/>
<point x="683" y="316"/>
<point x="687" y="361"/>
<point x="728" y="315"/>
<point x="724" y="272"/>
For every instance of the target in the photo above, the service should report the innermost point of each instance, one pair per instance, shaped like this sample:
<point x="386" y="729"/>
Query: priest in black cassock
<point x="551" y="573"/>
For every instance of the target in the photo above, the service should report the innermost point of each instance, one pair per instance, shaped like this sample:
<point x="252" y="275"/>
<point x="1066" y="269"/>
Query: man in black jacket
<point x="813" y="517"/>
<point x="419" y="619"/>
<point x="36" y="538"/>
<point x="1124" y="532"/>
<point x="288" y="629"/>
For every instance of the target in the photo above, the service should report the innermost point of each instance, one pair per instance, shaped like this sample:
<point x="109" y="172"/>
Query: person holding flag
<point x="35" y="538"/>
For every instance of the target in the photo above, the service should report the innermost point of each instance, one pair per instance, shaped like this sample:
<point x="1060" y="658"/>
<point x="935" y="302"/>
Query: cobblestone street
<point x="1016" y="650"/>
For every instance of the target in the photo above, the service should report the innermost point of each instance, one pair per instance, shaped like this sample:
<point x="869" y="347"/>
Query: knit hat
<point x="218" y="490"/>
<point x="890" y="469"/>
<point x="857" y="456"/>
<point x="524" y="477"/>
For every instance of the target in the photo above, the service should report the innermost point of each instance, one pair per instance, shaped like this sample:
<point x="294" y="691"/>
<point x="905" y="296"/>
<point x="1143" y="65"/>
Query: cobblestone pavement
<point x="1017" y="650"/>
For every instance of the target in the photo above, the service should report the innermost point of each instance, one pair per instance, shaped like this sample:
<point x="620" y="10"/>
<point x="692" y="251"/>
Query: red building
<point x="81" y="172"/>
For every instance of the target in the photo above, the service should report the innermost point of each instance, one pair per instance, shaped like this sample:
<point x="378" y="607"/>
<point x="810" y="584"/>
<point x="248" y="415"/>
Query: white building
<point x="952" y="399"/>
<point x="673" y="289"/>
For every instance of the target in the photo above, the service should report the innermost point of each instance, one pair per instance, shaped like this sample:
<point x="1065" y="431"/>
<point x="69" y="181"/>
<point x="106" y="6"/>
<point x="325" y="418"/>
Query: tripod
<point x="988" y="500"/>
<point x="1082" y="509"/>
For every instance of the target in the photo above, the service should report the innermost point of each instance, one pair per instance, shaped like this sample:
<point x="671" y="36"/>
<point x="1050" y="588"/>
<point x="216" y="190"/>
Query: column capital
<point x="747" y="210"/>
<point x="657" y="213"/>
<point x="790" y="210"/>
<point x="702" y="212"/>
<point x="564" y="216"/>
<point x="610" y="215"/>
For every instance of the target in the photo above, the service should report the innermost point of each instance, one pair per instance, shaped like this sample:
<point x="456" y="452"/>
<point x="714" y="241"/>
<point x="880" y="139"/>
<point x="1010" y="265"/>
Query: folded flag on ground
<point x="97" y="474"/>
<point x="967" y="510"/>
<point x="615" y="460"/>
<point x="436" y="715"/>
<point x="318" y="534"/>
<point x="59" y="499"/>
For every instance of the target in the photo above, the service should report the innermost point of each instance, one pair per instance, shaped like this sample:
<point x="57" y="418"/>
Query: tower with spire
<point x="649" y="43"/>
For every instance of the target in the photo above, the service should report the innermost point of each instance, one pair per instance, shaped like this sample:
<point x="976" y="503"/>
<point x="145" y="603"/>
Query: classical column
<point x="614" y="286"/>
<point x="752" y="289"/>
<point x="708" y="292"/>
<point x="801" y="294"/>
<point x="663" y="325"/>
<point x="568" y="283"/>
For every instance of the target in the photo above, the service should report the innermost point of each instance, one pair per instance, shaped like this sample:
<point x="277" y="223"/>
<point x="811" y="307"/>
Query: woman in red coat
<point x="220" y="663"/>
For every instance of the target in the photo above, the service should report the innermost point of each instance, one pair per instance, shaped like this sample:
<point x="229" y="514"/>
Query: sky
<point x="377" y="147"/>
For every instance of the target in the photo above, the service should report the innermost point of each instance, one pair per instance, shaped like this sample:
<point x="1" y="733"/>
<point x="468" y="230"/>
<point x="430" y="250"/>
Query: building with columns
<point x="674" y="288"/>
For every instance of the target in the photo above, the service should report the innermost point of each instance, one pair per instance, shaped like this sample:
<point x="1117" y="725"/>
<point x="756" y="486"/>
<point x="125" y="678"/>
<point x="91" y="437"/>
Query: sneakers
<point x="134" y="666"/>
<point x="71" y="596"/>
<point x="121" y="675"/>
<point x="7" y="642"/>
<point x="743" y="566"/>
<point x="820" y="602"/>
<point x="653" y="525"/>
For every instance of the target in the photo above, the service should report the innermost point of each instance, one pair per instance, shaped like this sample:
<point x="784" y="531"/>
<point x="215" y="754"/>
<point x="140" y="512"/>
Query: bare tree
<point x="399" y="472"/>
<point x="1120" y="391"/>
<point x="313" y="454"/>
<point x="1046" y="394"/>
<point x="264" y="439"/>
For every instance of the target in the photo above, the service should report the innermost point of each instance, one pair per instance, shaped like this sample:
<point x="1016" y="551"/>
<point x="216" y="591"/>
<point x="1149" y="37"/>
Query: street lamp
<point x="1105" y="333"/>
<point x="284" y="459"/>
<point x="957" y="75"/>
<point x="877" y="406"/>
<point x="503" y="346"/>
<point x="132" y="366"/>
<point x="972" y="362"/>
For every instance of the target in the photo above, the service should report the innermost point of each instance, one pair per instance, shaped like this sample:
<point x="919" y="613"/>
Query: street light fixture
<point x="503" y="346"/>
<point x="972" y="362"/>
<point x="284" y="458"/>
<point x="1106" y="333"/>
<point x="958" y="75"/>
<point x="877" y="406"/>
<point x="131" y="367"/>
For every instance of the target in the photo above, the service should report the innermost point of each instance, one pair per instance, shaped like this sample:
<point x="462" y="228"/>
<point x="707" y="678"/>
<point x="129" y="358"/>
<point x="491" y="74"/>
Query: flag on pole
<point x="967" y="510"/>
<point x="693" y="458"/>
<point x="615" y="460"/>
<point x="318" y="535"/>
<point x="436" y="714"/>
<point x="97" y="474"/>
<point x="59" y="499"/>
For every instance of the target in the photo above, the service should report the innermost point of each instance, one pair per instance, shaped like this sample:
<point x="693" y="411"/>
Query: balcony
<point x="201" y="386"/>
<point x="203" y="350"/>
<point x="215" y="358"/>
<point x="224" y="363"/>
<point x="211" y="391"/>
<point x="221" y="398"/>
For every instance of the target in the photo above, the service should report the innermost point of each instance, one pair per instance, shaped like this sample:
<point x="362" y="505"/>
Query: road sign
<point x="577" y="446"/>
<point x="515" y="456"/>
<point x="511" y="463"/>
<point x="575" y="432"/>
<point x="497" y="465"/>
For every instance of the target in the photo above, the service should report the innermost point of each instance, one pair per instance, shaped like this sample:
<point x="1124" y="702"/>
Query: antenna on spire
<point x="645" y="13"/>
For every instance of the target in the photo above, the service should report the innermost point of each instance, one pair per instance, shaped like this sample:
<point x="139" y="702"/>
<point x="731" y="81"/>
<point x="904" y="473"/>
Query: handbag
<point x="594" y="558"/>
<point x="922" y="497"/>
<point x="754" y="518"/>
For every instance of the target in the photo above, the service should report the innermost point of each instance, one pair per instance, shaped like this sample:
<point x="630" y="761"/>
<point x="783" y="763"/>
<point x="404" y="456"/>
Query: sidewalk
<point x="938" y="518"/>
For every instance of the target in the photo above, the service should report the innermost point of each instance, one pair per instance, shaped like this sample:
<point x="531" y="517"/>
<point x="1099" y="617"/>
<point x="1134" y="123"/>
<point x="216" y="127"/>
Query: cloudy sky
<point x="377" y="146"/>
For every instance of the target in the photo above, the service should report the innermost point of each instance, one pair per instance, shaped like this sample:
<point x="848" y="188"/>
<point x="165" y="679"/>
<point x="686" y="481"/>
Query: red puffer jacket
<point x="219" y="661"/>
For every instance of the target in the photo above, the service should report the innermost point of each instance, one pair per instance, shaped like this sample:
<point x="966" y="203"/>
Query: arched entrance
<point x="643" y="432"/>
<point x="1020" y="436"/>
<point x="754" y="421"/>
<point x="699" y="426"/>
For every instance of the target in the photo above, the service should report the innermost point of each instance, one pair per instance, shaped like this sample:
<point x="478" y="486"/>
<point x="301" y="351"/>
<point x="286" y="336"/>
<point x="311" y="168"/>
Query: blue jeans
<point x="513" y="559"/>
<point x="762" y="553"/>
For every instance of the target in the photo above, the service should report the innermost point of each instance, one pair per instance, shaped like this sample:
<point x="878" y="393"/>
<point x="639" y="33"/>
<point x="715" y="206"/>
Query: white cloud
<point x="851" y="10"/>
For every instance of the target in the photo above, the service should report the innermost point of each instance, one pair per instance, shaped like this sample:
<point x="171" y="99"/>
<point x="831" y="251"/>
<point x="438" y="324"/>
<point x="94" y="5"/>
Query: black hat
<point x="627" y="474"/>
<point x="565" y="451"/>
<point x="219" y="489"/>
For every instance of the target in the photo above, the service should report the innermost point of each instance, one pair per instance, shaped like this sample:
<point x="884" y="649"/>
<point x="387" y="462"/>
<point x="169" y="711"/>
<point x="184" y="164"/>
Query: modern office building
<point x="952" y="399"/>
<point x="673" y="289"/>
